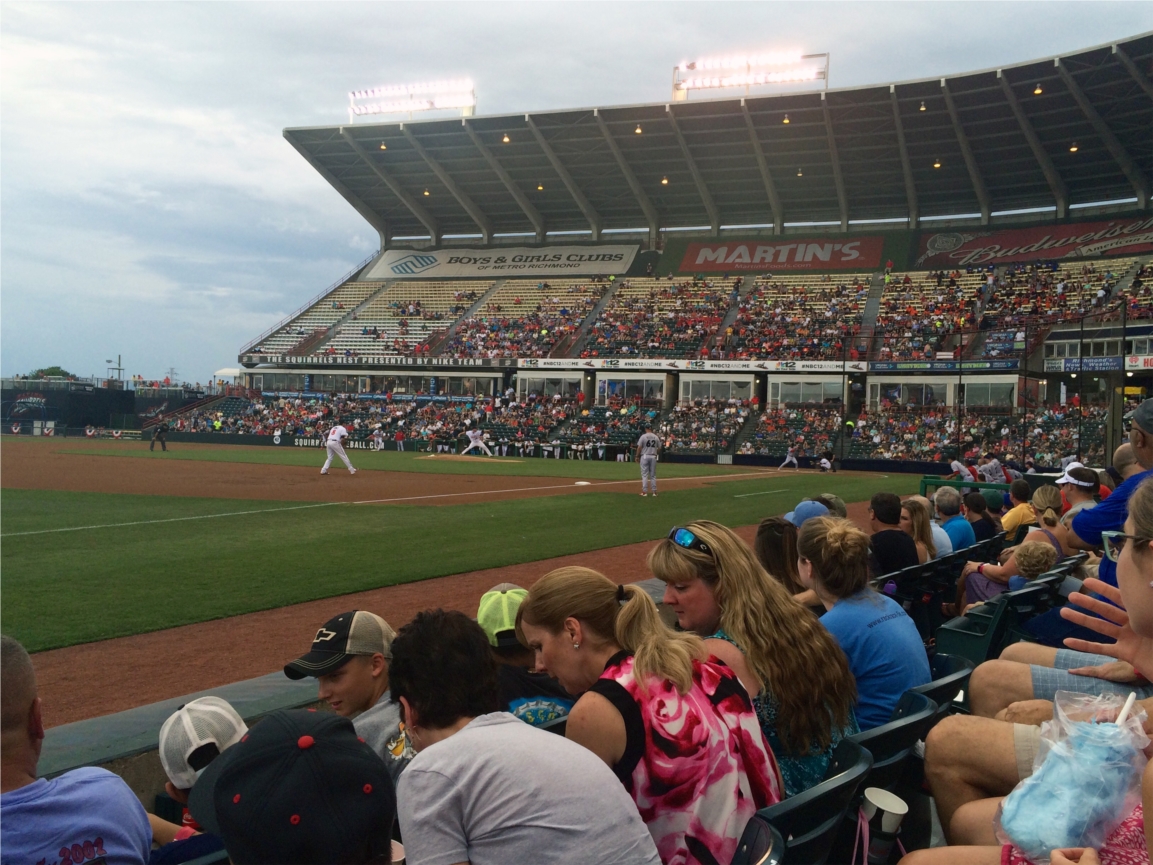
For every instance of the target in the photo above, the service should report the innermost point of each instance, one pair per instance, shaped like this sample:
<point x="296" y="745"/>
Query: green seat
<point x="977" y="637"/>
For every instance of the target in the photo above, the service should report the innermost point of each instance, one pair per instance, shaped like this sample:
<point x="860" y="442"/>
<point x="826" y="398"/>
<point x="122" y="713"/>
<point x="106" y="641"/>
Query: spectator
<point x="1078" y="486"/>
<point x="948" y="503"/>
<point x="495" y="790"/>
<point x="803" y="697"/>
<point x="884" y="649"/>
<point x="89" y="807"/>
<point x="806" y="510"/>
<point x="915" y="523"/>
<point x="349" y="659"/>
<point x="995" y="502"/>
<point x="976" y="511"/>
<point x="679" y="731"/>
<point x="940" y="536"/>
<point x="533" y="697"/>
<point x="1021" y="512"/>
<point x="890" y="549"/>
<point x="301" y="786"/>
<point x="776" y="546"/>
<point x="835" y="504"/>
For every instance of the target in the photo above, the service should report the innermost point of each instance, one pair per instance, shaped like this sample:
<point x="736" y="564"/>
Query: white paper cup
<point x="397" y="853"/>
<point x="892" y="808"/>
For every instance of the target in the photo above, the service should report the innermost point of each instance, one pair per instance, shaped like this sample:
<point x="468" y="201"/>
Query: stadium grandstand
<point x="877" y="277"/>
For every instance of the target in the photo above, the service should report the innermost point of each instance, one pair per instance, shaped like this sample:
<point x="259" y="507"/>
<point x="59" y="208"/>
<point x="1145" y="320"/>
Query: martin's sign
<point x="1078" y="240"/>
<point x="755" y="256"/>
<point x="509" y="261"/>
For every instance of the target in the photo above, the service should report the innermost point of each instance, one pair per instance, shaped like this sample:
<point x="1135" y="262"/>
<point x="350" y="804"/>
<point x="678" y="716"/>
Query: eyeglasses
<point x="1114" y="543"/>
<point x="689" y="541"/>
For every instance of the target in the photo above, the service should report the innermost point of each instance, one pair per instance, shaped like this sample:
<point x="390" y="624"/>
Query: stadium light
<point x="664" y="181"/>
<point x="410" y="98"/>
<point x="506" y="139"/>
<point x="638" y="130"/>
<point x="767" y="69"/>
<point x="1037" y="91"/>
<point x="923" y="105"/>
<point x="786" y="120"/>
<point x="1073" y="147"/>
<point x="936" y="163"/>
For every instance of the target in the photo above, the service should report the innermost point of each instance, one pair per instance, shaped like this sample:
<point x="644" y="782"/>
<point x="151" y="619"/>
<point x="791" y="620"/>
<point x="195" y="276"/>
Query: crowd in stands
<point x="784" y="318"/>
<point x="1140" y="294"/>
<point x="1044" y="293"/>
<point x="920" y="311"/>
<point x="802" y="429"/>
<point x="568" y="722"/>
<point x="655" y="318"/>
<point x="703" y="425"/>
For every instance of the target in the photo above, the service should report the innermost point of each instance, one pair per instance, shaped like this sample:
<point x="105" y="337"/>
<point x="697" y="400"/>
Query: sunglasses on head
<point x="689" y="541"/>
<point x="1114" y="542"/>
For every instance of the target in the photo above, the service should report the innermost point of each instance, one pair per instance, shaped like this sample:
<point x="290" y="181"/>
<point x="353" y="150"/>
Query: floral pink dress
<point x="697" y="766"/>
<point x="1125" y="846"/>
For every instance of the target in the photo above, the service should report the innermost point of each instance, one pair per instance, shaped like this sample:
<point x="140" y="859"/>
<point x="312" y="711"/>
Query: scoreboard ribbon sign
<point x="756" y="256"/>
<point x="1078" y="240"/>
<point x="556" y="261"/>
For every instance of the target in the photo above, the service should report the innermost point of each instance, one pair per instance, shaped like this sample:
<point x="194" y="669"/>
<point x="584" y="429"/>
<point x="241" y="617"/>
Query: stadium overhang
<point x="1044" y="137"/>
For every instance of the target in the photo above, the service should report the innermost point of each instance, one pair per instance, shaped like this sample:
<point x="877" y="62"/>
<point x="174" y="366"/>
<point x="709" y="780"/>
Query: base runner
<point x="475" y="440"/>
<point x="648" y="446"/>
<point x="335" y="448"/>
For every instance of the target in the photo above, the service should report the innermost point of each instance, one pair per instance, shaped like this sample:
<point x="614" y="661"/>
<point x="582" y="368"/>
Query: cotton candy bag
<point x="1086" y="778"/>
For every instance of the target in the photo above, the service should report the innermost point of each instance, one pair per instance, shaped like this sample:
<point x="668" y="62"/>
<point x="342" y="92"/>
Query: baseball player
<point x="475" y="440"/>
<point x="790" y="457"/>
<point x="647" y="448"/>
<point x="335" y="448"/>
<point x="378" y="438"/>
<point x="160" y="434"/>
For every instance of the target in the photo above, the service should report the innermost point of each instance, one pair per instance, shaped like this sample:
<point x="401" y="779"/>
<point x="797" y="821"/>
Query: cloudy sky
<point x="151" y="208"/>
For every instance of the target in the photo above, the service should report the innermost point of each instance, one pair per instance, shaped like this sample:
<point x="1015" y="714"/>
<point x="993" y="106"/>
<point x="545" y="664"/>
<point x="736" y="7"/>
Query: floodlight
<point x="426" y="192"/>
<point x="923" y="105"/>
<point x="1037" y="91"/>
<point x="540" y="187"/>
<point x="786" y="120"/>
<point x="409" y="98"/>
<point x="800" y="173"/>
<point x="936" y="163"/>
<point x="749" y="70"/>
<point x="664" y="181"/>
<point x="1073" y="147"/>
<point x="638" y="130"/>
<point x="505" y="139"/>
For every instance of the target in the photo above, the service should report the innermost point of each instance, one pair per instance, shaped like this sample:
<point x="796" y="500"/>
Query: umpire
<point x="160" y="434"/>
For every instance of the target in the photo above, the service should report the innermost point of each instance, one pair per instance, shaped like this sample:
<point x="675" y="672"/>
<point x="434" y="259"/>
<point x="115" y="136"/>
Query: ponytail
<point x="838" y="552"/>
<point x="624" y="615"/>
<point x="1047" y="502"/>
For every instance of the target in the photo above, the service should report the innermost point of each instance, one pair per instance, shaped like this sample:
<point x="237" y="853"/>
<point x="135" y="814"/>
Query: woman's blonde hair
<point x="839" y="554"/>
<point x="633" y="624"/>
<point x="1047" y="501"/>
<point x="1034" y="558"/>
<point x="922" y="527"/>
<point x="788" y="651"/>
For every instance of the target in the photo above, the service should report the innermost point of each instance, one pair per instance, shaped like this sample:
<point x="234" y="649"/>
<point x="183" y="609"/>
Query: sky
<point x="151" y="209"/>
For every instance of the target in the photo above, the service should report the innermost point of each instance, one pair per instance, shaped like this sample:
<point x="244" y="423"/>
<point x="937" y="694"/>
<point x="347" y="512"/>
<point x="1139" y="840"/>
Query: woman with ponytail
<point x="981" y="581"/>
<point x="802" y="689"/>
<point x="884" y="649"/>
<point x="678" y="730"/>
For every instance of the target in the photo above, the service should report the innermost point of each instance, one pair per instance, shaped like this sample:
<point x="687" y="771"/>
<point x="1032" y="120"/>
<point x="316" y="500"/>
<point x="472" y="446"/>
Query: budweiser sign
<point x="754" y="256"/>
<point x="1079" y="240"/>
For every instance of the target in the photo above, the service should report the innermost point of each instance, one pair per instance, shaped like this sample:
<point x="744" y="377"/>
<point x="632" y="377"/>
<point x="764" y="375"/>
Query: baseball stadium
<point x="734" y="361"/>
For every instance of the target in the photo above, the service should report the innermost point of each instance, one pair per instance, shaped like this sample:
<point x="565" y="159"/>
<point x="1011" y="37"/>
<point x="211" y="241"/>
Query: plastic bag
<point x="1086" y="778"/>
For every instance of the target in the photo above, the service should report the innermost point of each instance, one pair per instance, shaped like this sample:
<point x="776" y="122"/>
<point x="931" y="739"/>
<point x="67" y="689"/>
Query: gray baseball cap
<point x="1142" y="416"/>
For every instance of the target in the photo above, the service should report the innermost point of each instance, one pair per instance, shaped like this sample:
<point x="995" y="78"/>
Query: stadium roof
<point x="844" y="156"/>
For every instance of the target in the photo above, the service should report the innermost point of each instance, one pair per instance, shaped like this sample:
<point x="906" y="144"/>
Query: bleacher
<point x="532" y="421"/>
<point x="619" y="426"/>
<point x="320" y="316"/>
<point x="798" y="316"/>
<point x="1046" y="293"/>
<point x="650" y="317"/>
<point x="810" y="429"/>
<point x="1140" y="294"/>
<point x="702" y="426"/>
<point x="929" y="434"/>
<point x="526" y="318"/>
<point x="920" y="310"/>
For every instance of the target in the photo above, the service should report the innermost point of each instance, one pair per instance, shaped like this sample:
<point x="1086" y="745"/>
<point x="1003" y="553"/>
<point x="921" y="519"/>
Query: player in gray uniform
<point x="648" y="446"/>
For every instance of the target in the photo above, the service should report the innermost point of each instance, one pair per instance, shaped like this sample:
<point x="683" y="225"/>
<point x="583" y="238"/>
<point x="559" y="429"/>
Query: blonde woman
<point x="885" y="651"/>
<point x="915" y="522"/>
<point x="981" y="581"/>
<point x="802" y="689"/>
<point x="678" y="730"/>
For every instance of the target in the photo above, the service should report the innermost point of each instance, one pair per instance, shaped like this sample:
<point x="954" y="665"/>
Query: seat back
<point x="950" y="677"/>
<point x="892" y="743"/>
<point x="557" y="725"/>
<point x="760" y="844"/>
<point x="810" y="820"/>
<point x="976" y="638"/>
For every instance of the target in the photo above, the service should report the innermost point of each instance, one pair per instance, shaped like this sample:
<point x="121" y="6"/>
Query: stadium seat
<point x="950" y="678"/>
<point x="809" y="821"/>
<point x="976" y="637"/>
<point x="760" y="844"/>
<point x="891" y="743"/>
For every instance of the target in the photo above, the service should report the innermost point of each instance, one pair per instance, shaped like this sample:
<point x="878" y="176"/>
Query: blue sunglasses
<point x="689" y="541"/>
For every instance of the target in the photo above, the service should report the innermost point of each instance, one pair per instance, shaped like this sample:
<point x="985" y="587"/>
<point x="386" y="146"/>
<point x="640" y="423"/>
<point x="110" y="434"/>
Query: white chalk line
<point x="362" y="502"/>
<point x="765" y="493"/>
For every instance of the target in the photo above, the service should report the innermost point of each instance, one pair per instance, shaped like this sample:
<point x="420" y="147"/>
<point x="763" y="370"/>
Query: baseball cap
<point x="835" y="504"/>
<point x="497" y="613"/>
<point x="994" y="499"/>
<point x="203" y="722"/>
<point x="299" y="787"/>
<point x="1142" y="416"/>
<point x="806" y="510"/>
<point x="355" y="633"/>
<point x="1065" y="478"/>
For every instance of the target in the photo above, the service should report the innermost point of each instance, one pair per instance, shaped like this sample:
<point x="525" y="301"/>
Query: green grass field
<point x="62" y="588"/>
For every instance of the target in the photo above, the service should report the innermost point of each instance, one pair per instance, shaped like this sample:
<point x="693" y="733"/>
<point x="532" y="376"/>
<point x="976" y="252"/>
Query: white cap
<point x="205" y="721"/>
<point x="1065" y="479"/>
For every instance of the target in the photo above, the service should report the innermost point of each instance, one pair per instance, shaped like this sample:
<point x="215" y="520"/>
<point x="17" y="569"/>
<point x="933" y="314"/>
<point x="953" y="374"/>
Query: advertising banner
<point x="503" y="261"/>
<point x="659" y="364"/>
<point x="1142" y="361"/>
<point x="1078" y="240"/>
<point x="761" y="256"/>
<point x="944" y="365"/>
<point x="1088" y="364"/>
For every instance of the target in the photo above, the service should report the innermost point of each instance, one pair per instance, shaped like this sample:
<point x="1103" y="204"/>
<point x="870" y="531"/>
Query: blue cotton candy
<point x="1077" y="796"/>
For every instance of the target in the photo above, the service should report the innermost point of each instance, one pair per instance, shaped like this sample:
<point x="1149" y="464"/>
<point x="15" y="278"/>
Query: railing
<point x="333" y="287"/>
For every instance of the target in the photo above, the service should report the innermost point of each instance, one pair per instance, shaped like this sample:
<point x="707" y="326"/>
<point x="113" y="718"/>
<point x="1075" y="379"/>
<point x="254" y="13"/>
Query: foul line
<point x="765" y="493"/>
<point x="567" y="486"/>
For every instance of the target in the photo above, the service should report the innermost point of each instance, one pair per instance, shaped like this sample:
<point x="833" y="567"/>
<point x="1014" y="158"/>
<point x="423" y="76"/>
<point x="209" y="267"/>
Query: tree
<point x="51" y="371"/>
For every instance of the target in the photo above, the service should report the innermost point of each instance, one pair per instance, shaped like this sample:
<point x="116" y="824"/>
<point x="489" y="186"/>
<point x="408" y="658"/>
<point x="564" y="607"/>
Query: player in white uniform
<point x="378" y="438"/>
<point x="335" y="448"/>
<point x="475" y="440"/>
<point x="648" y="446"/>
<point x="790" y="457"/>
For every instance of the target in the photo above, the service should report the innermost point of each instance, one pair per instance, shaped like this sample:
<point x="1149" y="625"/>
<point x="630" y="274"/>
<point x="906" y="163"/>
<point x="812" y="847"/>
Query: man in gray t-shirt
<point x="499" y="791"/>
<point x="647" y="448"/>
